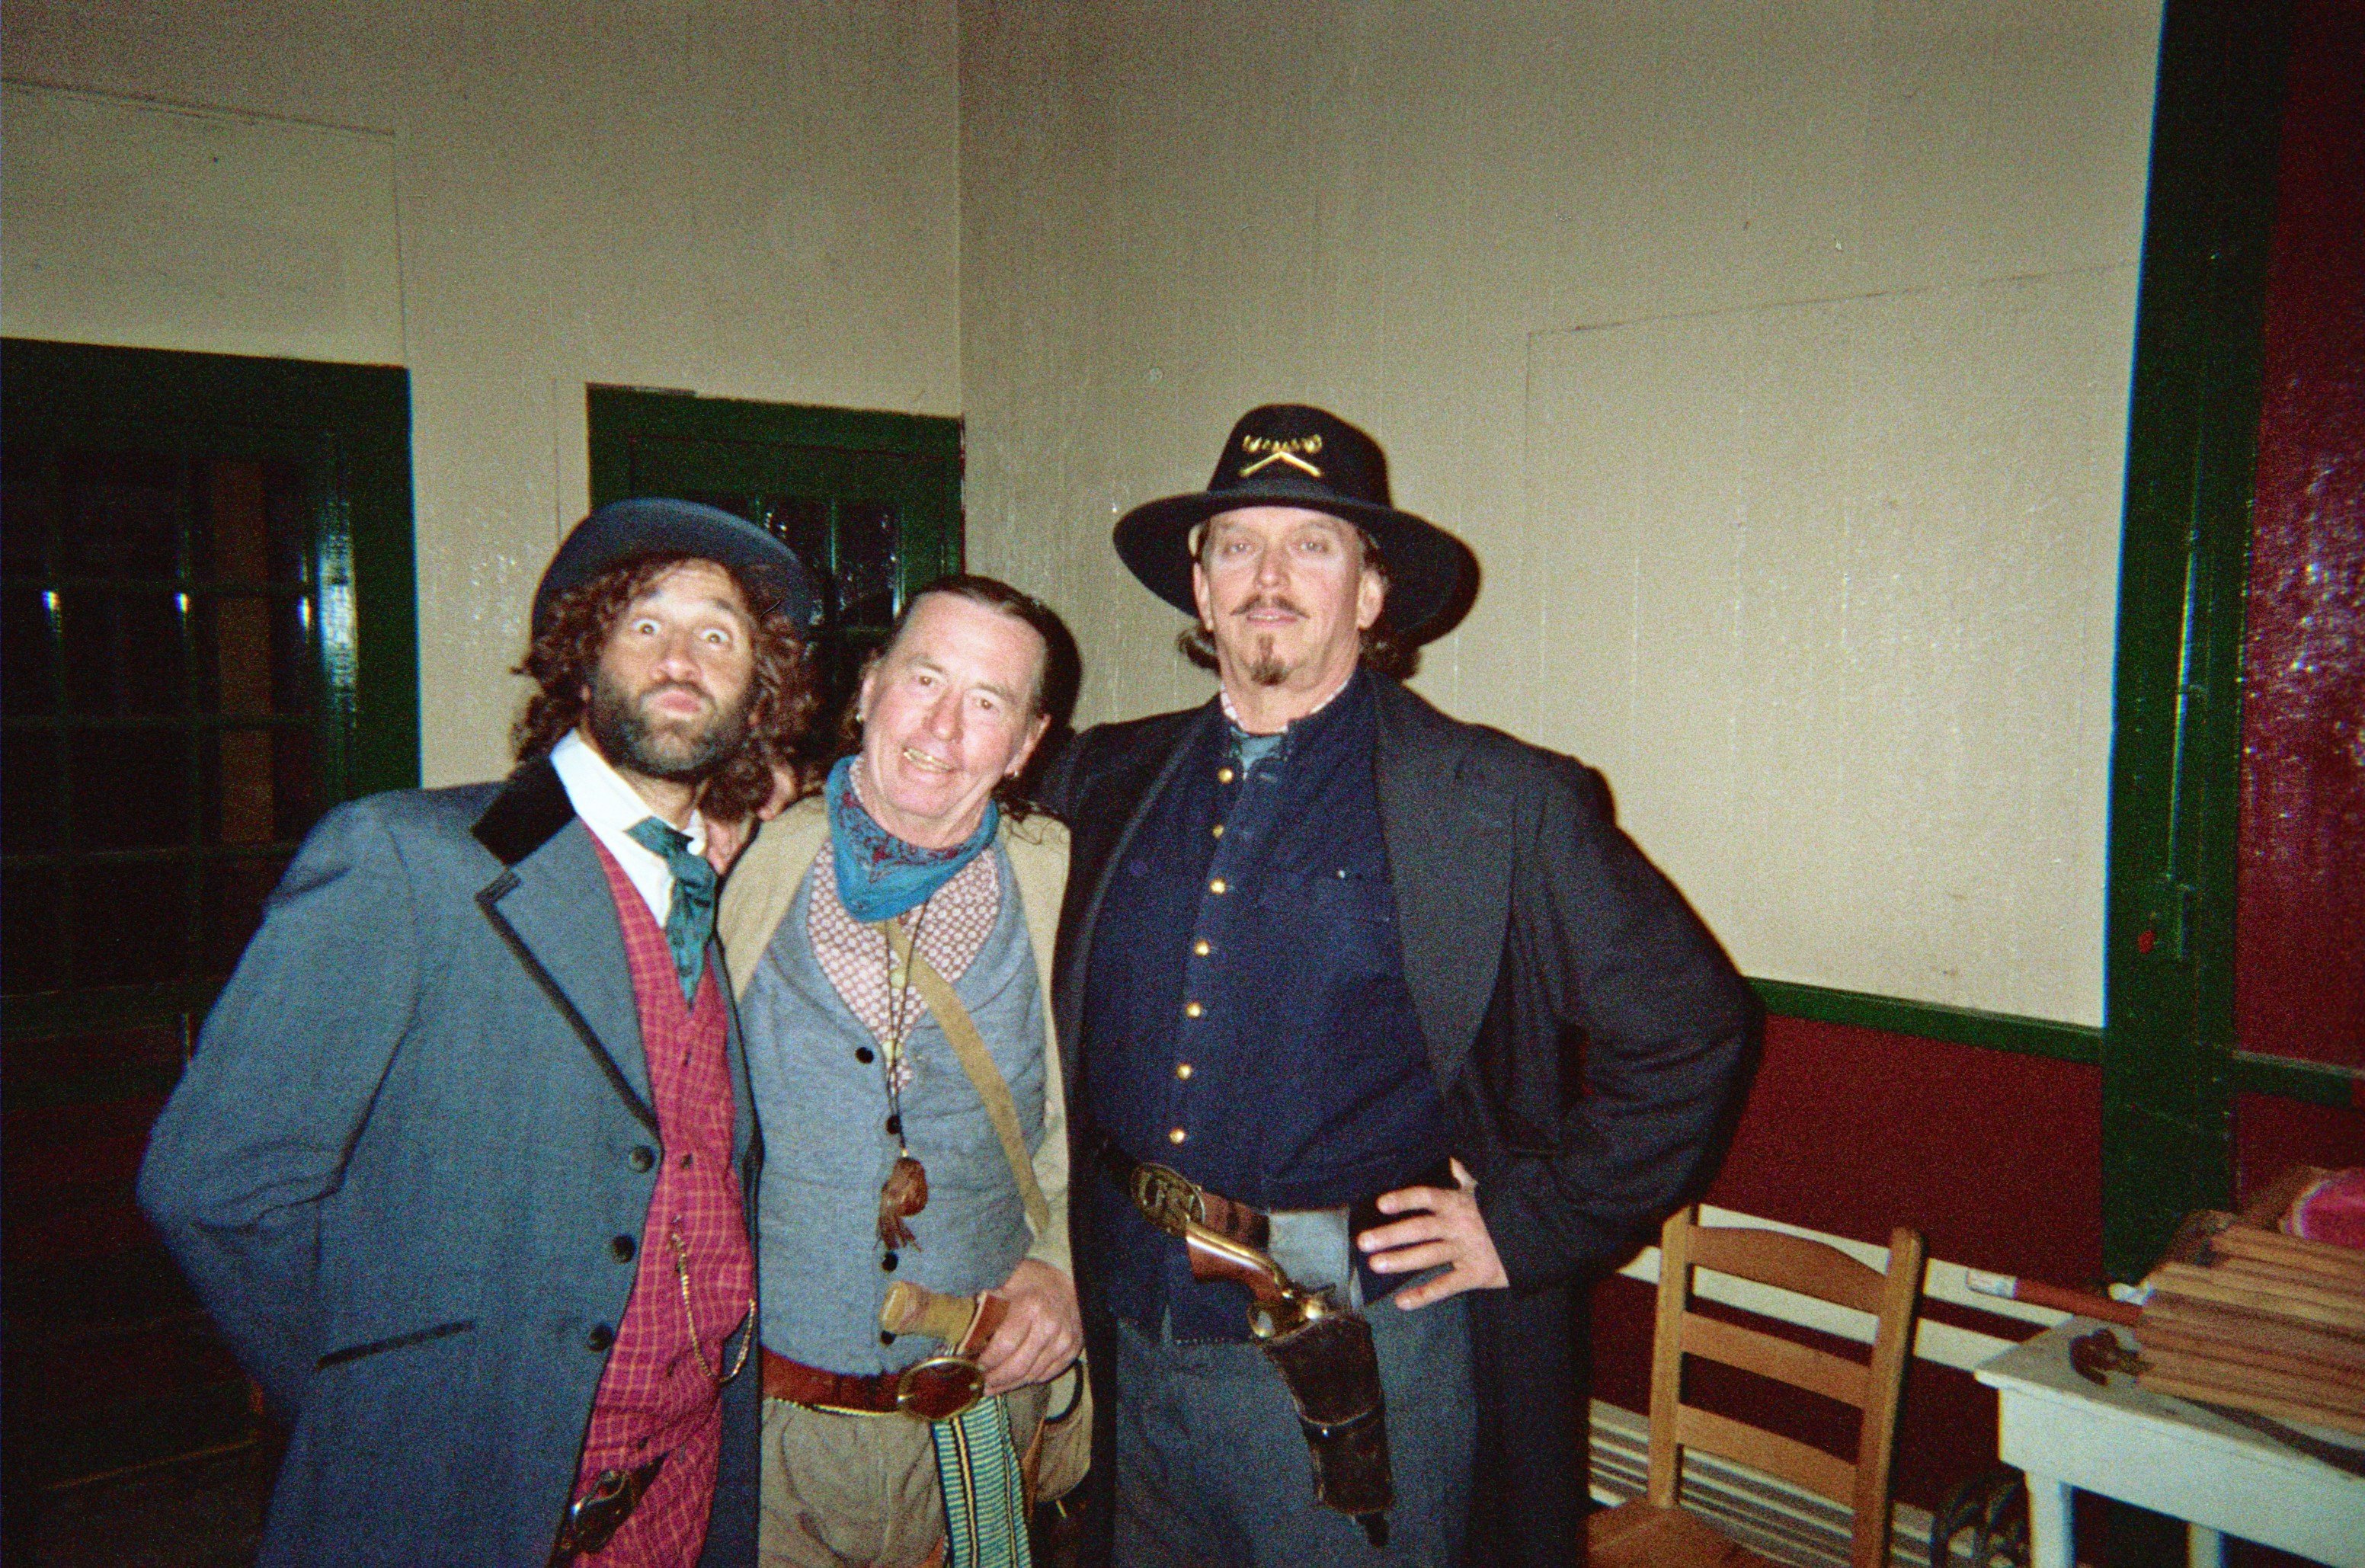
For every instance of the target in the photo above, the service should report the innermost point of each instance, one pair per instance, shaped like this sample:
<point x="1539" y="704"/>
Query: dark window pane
<point x="869" y="541"/>
<point x="33" y="956"/>
<point x="239" y="658"/>
<point x="131" y="790"/>
<point x="294" y="667"/>
<point x="123" y="652"/>
<point x="296" y="801"/>
<point x="254" y="524"/>
<point x="30" y="821"/>
<point x="736" y="504"/>
<point x="803" y="526"/>
<point x="244" y="790"/>
<point x="289" y="500"/>
<point x="24" y="514"/>
<point x="233" y="908"/>
<point x="122" y="513"/>
<point x="134" y="926"/>
<point x="27" y="669"/>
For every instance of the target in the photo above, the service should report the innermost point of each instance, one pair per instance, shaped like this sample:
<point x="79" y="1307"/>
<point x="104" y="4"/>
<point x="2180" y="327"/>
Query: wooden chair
<point x="1654" y="1528"/>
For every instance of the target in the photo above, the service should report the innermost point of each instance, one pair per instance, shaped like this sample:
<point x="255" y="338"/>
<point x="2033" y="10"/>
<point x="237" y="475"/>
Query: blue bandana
<point x="878" y="875"/>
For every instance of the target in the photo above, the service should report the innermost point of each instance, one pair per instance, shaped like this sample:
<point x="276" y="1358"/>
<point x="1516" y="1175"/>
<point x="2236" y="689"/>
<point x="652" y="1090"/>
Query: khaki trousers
<point x="859" y="1491"/>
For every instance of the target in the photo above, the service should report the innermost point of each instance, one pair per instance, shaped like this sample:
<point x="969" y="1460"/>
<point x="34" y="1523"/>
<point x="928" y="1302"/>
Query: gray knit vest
<point x="827" y="1151"/>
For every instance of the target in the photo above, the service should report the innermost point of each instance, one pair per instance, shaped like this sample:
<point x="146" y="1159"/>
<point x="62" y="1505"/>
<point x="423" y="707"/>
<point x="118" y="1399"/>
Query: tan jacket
<point x="764" y="881"/>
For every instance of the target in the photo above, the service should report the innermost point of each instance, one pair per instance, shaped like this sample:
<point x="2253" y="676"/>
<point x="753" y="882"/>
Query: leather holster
<point x="1334" y="1376"/>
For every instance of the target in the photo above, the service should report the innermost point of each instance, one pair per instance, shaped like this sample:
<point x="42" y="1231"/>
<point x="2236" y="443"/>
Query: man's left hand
<point x="1042" y="1333"/>
<point x="1446" y="1229"/>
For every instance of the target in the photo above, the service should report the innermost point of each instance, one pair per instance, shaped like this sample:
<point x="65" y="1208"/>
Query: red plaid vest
<point x="655" y="1397"/>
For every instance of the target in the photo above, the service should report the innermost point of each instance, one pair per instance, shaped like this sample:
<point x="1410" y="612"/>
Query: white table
<point x="2164" y="1454"/>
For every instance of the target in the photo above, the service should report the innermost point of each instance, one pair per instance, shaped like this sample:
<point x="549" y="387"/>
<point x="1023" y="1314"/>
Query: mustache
<point x="1270" y="601"/>
<point x="661" y="688"/>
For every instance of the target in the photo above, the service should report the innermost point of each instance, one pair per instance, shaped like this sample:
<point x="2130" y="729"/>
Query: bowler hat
<point x="656" y="525"/>
<point x="1287" y="454"/>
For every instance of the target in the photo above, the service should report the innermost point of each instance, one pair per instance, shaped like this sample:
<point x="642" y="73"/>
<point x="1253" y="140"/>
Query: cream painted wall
<point x="751" y="200"/>
<point x="1774" y="358"/>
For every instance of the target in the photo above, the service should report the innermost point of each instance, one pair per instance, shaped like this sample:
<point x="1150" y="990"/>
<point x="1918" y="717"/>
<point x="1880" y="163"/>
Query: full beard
<point x="678" y="751"/>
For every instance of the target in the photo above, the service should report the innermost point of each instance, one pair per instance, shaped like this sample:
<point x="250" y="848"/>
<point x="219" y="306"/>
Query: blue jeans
<point x="1212" y="1469"/>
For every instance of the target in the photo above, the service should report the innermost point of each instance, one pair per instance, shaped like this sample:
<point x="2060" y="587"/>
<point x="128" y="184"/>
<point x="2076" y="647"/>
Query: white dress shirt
<point x="608" y="807"/>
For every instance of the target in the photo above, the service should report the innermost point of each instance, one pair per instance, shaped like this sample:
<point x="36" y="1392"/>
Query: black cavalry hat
<point x="1287" y="454"/>
<point x="655" y="525"/>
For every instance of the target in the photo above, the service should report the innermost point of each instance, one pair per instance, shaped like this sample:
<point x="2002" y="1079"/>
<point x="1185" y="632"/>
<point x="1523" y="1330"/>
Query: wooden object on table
<point x="2244" y="1317"/>
<point x="1654" y="1528"/>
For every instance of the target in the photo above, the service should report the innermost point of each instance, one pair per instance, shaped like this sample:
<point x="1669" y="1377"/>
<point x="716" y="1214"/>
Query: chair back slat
<point x="1809" y="1268"/>
<point x="1787" y="1361"/>
<point x="1790" y="1262"/>
<point x="1801" y="1464"/>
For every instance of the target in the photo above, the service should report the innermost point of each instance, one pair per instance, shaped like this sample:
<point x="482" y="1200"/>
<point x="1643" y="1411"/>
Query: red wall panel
<point x="2299" y="946"/>
<point x="1995" y="1157"/>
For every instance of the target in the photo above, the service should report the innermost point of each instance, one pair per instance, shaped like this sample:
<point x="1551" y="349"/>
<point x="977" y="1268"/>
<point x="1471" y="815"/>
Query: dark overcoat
<point x="397" y="1165"/>
<point x="1588" y="1035"/>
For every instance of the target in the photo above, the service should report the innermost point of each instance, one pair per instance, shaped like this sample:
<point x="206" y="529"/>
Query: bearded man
<point x="461" y="1160"/>
<point x="1376" y="998"/>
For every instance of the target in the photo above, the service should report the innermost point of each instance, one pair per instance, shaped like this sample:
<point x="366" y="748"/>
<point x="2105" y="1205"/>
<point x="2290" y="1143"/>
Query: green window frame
<point x="346" y="429"/>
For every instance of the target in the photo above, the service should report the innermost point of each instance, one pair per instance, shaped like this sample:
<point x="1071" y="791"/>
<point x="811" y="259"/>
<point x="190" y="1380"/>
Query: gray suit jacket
<point x="417" y="1120"/>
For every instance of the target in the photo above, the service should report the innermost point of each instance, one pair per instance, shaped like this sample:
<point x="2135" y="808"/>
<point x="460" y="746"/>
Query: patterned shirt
<point x="951" y="929"/>
<point x="656" y="1396"/>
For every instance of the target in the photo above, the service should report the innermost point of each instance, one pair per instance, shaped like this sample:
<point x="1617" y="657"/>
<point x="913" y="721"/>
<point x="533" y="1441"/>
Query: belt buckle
<point x="921" y="1388"/>
<point x="1167" y="1198"/>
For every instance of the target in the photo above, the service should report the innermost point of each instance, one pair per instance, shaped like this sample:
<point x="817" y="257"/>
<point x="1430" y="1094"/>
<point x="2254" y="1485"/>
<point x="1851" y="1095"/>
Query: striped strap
<point x="986" y="1493"/>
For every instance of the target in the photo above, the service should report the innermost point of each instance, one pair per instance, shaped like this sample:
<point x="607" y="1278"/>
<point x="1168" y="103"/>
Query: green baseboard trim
<point x="2315" y="1082"/>
<point x="1933" y="1020"/>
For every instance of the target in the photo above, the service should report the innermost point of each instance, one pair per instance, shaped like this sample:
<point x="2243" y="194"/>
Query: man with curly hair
<point x="461" y="1163"/>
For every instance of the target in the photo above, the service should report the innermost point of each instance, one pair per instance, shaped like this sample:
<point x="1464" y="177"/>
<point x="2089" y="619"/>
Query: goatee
<point x="680" y="752"/>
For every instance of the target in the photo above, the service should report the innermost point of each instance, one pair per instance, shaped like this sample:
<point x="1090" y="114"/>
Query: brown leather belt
<point x="937" y="1389"/>
<point x="1252" y="1226"/>
<point x="871" y="1395"/>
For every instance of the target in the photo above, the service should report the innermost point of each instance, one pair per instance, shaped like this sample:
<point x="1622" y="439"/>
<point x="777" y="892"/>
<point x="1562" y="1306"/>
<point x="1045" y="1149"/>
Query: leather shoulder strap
<point x="976" y="1061"/>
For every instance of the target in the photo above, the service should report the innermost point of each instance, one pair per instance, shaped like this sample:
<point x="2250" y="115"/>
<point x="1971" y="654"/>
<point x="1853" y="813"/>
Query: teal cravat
<point x="690" y="921"/>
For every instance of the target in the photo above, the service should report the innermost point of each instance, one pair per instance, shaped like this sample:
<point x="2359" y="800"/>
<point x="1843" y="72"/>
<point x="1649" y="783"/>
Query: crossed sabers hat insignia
<point x="1288" y="452"/>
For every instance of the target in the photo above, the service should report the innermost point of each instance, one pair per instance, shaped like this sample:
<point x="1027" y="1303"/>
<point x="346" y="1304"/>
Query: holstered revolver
<point x="1323" y="1350"/>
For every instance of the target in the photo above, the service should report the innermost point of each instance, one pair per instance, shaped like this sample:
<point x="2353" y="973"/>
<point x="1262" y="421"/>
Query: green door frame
<point x="2171" y="1063"/>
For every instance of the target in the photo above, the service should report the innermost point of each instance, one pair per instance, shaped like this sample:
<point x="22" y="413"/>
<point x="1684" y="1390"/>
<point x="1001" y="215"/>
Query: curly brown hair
<point x="782" y="697"/>
<point x="1384" y="649"/>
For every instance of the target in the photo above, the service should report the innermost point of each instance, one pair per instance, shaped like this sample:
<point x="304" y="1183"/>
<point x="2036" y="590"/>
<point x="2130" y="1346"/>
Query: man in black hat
<point x="1388" y="998"/>
<point x="460" y="1163"/>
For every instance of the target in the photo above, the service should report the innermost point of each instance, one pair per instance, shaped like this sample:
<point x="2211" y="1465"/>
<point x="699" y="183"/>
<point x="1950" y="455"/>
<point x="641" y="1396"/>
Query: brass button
<point x="1177" y="1136"/>
<point x="1217" y="886"/>
<point x="642" y="1158"/>
<point x="1217" y="830"/>
<point x="1202" y="947"/>
<point x="1223" y="776"/>
<point x="1192" y="1010"/>
<point x="1182" y="1071"/>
